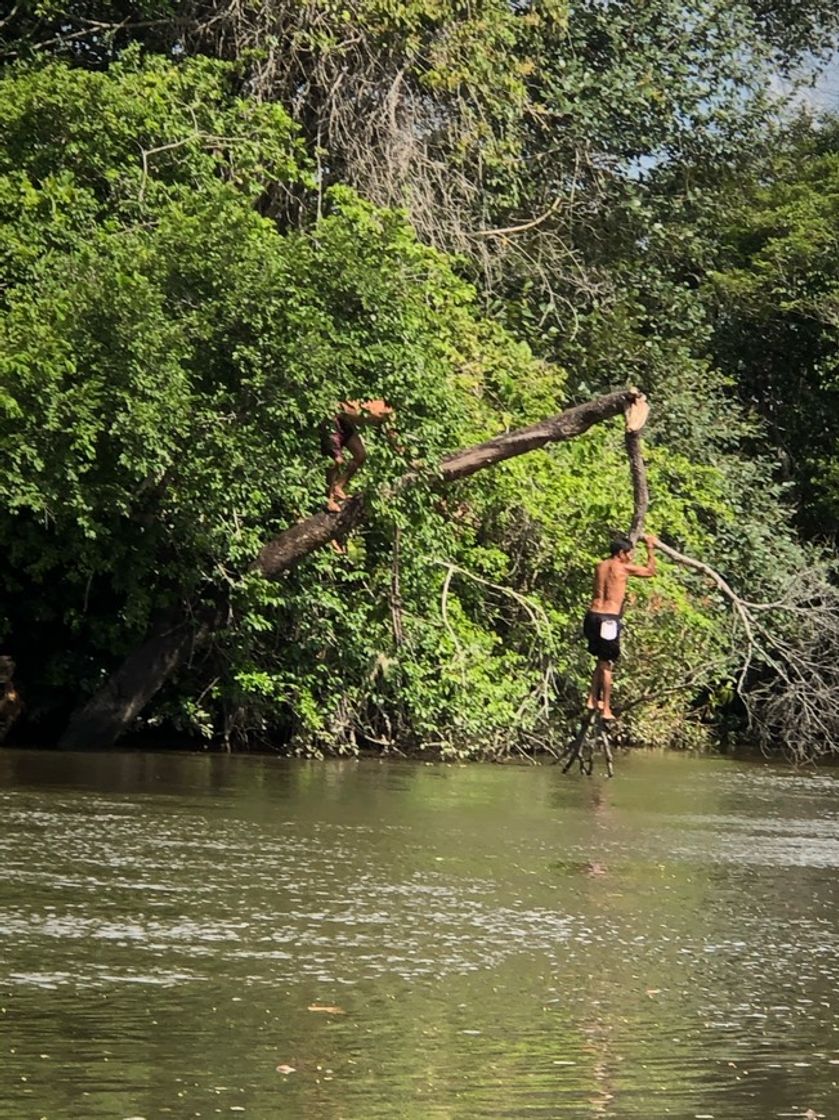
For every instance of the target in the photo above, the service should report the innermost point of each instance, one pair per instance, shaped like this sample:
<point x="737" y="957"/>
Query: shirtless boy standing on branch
<point x="339" y="434"/>
<point x="603" y="622"/>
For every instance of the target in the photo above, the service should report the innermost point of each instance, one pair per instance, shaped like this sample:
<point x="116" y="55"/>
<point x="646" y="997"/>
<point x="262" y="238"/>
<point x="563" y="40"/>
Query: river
<point x="194" y="936"/>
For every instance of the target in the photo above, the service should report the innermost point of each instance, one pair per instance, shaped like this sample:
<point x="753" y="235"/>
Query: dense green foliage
<point x="776" y="305"/>
<point x="207" y="239"/>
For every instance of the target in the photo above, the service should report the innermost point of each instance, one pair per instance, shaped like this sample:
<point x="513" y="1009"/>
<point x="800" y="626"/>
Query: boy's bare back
<point x="610" y="579"/>
<point x="611" y="576"/>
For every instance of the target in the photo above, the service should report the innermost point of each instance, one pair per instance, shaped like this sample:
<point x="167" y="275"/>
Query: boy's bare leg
<point x="337" y="477"/>
<point x="606" y="689"/>
<point x="593" y="699"/>
<point x="333" y="501"/>
<point x="356" y="448"/>
<point x="342" y="472"/>
<point x="333" y="488"/>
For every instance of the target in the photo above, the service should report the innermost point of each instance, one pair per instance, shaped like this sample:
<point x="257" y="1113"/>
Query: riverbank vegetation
<point x="216" y="221"/>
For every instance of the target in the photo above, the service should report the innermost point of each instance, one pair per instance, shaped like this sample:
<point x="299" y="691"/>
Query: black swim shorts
<point x="603" y="634"/>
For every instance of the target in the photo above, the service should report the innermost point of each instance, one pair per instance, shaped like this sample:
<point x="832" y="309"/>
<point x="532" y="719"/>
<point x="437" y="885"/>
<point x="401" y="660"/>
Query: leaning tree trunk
<point x="174" y="639"/>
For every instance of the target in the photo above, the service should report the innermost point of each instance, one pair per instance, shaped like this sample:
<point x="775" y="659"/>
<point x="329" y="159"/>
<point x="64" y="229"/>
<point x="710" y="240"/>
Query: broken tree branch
<point x="636" y="417"/>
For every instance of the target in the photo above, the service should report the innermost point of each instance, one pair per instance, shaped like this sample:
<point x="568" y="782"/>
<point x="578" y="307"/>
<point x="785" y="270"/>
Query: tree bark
<point x="112" y="709"/>
<point x="573" y="422"/>
<point x="115" y="706"/>
<point x="640" y="493"/>
<point x="284" y="551"/>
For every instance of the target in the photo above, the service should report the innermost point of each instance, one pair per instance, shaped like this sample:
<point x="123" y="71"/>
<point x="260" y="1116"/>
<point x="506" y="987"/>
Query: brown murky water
<point x="415" y="942"/>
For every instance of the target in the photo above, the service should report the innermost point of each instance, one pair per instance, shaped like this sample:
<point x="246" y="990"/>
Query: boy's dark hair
<point x="620" y="544"/>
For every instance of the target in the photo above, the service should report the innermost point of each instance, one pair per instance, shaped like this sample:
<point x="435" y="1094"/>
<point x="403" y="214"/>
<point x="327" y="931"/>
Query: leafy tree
<point x="206" y="246"/>
<point x="775" y="296"/>
<point x="479" y="116"/>
<point x="168" y="354"/>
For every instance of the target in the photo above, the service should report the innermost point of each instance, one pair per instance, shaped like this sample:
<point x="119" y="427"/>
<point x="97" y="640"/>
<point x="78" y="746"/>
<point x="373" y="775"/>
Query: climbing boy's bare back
<point x="611" y="577"/>
<point x="603" y="622"/>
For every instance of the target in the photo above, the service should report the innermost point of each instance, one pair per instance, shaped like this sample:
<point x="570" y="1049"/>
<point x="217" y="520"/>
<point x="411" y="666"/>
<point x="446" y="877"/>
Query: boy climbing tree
<point x="604" y="618"/>
<point x="339" y="435"/>
<point x="603" y="621"/>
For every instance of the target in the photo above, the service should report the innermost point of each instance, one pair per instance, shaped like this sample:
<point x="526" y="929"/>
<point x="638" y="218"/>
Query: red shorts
<point x="334" y="436"/>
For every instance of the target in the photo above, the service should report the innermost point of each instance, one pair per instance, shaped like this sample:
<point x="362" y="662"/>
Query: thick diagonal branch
<point x="573" y="422"/>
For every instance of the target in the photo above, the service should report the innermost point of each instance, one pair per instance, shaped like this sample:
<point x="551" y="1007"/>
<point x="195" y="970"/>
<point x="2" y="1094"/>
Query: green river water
<point x="415" y="941"/>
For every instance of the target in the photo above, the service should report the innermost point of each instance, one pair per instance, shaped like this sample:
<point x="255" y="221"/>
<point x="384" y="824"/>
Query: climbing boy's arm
<point x="645" y="572"/>
<point x="381" y="414"/>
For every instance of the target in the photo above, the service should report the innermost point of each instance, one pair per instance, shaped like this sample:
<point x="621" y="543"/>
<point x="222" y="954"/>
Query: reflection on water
<point x="194" y="936"/>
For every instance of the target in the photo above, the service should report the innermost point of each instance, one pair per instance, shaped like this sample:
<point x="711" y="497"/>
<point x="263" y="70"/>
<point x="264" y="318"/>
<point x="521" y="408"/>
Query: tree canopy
<point x="216" y="222"/>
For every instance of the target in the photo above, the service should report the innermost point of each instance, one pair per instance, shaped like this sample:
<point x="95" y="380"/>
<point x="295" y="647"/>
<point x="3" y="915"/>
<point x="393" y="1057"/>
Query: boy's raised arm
<point x="649" y="569"/>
